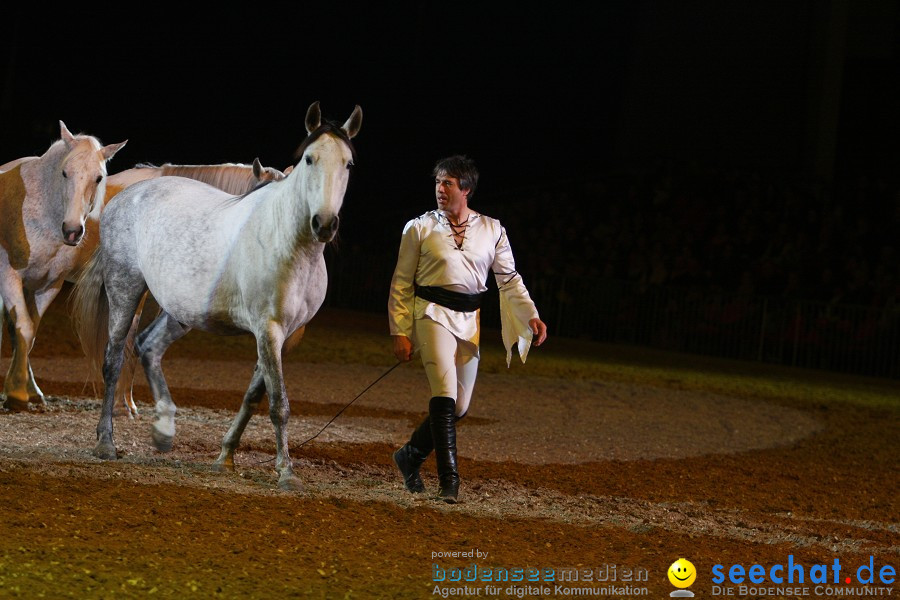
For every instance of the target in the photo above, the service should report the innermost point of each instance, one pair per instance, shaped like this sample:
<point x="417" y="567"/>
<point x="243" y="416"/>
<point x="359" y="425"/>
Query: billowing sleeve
<point x="516" y="306"/>
<point x="401" y="300"/>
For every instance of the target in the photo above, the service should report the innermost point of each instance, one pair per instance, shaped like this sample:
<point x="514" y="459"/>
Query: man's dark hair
<point x="461" y="167"/>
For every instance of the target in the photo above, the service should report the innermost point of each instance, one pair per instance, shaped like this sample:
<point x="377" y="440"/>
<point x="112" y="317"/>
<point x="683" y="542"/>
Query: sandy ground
<point x="557" y="473"/>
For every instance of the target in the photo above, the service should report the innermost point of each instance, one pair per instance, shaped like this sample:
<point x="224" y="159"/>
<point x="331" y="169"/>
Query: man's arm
<point x="402" y="297"/>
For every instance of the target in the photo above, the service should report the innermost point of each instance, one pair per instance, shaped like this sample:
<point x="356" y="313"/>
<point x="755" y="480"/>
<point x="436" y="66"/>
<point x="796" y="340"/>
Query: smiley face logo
<point x="682" y="573"/>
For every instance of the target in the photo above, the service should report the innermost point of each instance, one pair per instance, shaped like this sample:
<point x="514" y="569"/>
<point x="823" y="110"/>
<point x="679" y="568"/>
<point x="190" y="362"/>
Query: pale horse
<point x="220" y="264"/>
<point x="46" y="203"/>
<point x="21" y="236"/>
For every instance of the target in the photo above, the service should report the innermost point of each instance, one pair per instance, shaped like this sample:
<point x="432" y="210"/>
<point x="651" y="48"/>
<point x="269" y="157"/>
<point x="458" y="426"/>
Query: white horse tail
<point x="89" y="308"/>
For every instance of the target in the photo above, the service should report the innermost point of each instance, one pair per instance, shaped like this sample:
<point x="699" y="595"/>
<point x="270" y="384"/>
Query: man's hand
<point x="538" y="328"/>
<point x="402" y="348"/>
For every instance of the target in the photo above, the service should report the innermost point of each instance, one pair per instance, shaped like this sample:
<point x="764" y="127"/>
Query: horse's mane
<point x="258" y="186"/>
<point x="230" y="177"/>
<point x="326" y="127"/>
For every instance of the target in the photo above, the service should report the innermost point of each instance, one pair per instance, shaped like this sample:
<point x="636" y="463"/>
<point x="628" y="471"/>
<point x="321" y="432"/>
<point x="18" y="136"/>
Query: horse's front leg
<point x="252" y="398"/>
<point x="22" y="322"/>
<point x="269" y="347"/>
<point x="15" y="393"/>
<point x="42" y="300"/>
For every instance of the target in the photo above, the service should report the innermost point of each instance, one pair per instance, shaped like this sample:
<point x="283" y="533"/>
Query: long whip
<point x="380" y="377"/>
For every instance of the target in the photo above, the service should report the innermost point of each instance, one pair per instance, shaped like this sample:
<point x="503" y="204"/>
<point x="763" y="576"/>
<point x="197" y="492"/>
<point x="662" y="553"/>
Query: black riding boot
<point x="410" y="457"/>
<point x="443" y="432"/>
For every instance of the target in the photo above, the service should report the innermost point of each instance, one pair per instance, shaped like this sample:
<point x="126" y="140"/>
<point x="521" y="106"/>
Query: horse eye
<point x="99" y="178"/>
<point x="65" y="176"/>
<point x="309" y="160"/>
<point x="349" y="164"/>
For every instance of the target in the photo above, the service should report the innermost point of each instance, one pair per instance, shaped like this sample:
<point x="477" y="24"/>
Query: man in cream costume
<point x="443" y="264"/>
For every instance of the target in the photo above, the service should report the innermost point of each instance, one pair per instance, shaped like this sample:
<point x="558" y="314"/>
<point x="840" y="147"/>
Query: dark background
<point x="806" y="89"/>
<point x="533" y="94"/>
<point x="528" y="94"/>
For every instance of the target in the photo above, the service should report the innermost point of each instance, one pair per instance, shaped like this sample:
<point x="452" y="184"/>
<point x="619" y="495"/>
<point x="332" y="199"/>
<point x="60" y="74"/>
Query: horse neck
<point x="284" y="218"/>
<point x="231" y="178"/>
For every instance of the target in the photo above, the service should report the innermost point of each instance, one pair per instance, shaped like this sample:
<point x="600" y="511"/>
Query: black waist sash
<point x="452" y="300"/>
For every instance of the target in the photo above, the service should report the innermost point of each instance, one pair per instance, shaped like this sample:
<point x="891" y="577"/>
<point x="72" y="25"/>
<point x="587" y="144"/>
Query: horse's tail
<point x="89" y="308"/>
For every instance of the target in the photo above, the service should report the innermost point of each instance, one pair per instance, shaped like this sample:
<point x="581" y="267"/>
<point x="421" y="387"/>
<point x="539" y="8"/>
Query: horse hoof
<point x="105" y="451"/>
<point x="16" y="405"/>
<point x="161" y="441"/>
<point x="290" y="483"/>
<point x="223" y="467"/>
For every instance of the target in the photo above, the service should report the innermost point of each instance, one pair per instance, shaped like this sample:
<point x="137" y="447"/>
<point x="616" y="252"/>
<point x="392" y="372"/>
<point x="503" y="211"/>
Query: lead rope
<point x="380" y="377"/>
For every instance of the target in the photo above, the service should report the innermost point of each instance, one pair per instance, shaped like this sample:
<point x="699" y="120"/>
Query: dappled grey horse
<point x="222" y="264"/>
<point x="234" y="178"/>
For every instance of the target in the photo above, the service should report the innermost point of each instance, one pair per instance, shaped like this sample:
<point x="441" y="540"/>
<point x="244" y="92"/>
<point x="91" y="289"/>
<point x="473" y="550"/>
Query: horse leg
<point x="125" y="388"/>
<point x="252" y="398"/>
<point x="123" y="302"/>
<point x="269" y="347"/>
<point x="42" y="301"/>
<point x="152" y="343"/>
<point x="19" y="305"/>
<point x="6" y="323"/>
<point x="251" y="402"/>
<point x="10" y="327"/>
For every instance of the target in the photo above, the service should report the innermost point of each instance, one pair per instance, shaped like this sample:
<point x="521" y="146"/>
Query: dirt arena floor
<point x="614" y="480"/>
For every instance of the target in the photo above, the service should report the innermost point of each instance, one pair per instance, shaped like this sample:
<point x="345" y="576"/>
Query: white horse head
<point x="83" y="170"/>
<point x="323" y="170"/>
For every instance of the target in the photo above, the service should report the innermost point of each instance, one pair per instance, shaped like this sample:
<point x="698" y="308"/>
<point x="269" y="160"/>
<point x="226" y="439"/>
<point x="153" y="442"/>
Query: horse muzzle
<point x="71" y="236"/>
<point x="325" y="231"/>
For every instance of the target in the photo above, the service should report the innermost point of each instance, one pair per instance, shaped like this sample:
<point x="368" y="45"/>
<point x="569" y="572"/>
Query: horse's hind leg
<point x="251" y="402"/>
<point x="126" y="379"/>
<point x="124" y="297"/>
<point x="151" y="344"/>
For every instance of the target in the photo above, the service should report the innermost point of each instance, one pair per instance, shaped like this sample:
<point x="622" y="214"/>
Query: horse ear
<point x="65" y="134"/>
<point x="109" y="151"/>
<point x="353" y="123"/>
<point x="288" y="170"/>
<point x="257" y="168"/>
<point x="313" y="117"/>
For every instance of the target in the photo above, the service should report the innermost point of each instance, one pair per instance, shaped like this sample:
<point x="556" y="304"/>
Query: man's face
<point x="450" y="197"/>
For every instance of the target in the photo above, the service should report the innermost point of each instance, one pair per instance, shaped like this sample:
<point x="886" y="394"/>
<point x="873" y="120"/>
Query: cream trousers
<point x="451" y="364"/>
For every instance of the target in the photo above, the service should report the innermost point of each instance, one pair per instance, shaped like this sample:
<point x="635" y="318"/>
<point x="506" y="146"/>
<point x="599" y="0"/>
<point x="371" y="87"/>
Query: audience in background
<point x="687" y="226"/>
<point x="729" y="251"/>
<point x="721" y="230"/>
